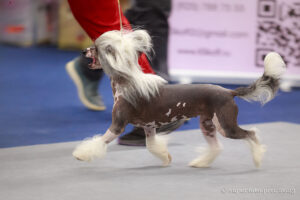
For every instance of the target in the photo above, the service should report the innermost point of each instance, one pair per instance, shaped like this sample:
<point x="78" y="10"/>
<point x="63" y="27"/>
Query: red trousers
<point x="99" y="16"/>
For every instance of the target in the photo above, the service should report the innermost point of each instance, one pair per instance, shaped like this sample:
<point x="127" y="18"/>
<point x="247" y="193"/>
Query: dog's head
<point x="118" y="51"/>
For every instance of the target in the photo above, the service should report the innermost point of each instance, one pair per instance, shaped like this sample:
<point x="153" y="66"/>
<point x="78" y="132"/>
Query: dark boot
<point x="137" y="136"/>
<point x="87" y="81"/>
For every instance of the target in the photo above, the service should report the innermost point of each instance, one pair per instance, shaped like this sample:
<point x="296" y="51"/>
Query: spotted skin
<point x="199" y="100"/>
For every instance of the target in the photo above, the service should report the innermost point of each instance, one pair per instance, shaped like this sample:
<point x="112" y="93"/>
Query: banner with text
<point x="232" y="37"/>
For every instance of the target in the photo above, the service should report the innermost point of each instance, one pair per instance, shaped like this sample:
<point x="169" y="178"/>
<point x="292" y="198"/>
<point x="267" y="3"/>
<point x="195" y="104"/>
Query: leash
<point x="119" y="6"/>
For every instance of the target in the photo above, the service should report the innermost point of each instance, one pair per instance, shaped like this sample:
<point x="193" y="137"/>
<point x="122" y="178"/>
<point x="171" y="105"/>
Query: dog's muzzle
<point x="92" y="53"/>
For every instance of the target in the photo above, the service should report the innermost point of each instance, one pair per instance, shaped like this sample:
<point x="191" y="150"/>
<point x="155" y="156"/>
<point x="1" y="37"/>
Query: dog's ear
<point x="110" y="53"/>
<point x="142" y="41"/>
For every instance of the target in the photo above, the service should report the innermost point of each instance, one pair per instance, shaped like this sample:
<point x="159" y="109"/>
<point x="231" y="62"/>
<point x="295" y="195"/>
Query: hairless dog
<point x="147" y="101"/>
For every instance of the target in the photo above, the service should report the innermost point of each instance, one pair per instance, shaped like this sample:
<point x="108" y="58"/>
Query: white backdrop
<point x="225" y="41"/>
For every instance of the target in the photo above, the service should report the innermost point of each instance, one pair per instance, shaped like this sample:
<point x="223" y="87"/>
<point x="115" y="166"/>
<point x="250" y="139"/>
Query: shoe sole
<point x="76" y="79"/>
<point x="134" y="143"/>
<point x="167" y="129"/>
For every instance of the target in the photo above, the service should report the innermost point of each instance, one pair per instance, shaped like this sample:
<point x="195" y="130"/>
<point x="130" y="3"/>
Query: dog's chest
<point x="117" y="92"/>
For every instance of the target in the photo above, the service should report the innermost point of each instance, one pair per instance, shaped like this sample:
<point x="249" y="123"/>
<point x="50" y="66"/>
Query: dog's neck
<point x="116" y="82"/>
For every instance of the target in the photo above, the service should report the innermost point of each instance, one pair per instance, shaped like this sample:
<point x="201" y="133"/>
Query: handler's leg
<point x="87" y="82"/>
<point x="214" y="148"/>
<point x="157" y="145"/>
<point x="153" y="16"/>
<point x="95" y="17"/>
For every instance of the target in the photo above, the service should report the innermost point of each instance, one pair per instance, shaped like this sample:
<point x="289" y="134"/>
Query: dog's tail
<point x="265" y="88"/>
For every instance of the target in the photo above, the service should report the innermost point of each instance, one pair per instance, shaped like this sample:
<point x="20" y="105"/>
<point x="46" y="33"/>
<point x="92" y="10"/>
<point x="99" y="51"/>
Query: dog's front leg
<point x="96" y="147"/>
<point x="157" y="145"/>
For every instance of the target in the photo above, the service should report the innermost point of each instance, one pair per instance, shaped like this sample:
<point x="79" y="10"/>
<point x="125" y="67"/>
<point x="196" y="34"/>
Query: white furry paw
<point x="90" y="149"/>
<point x="199" y="163"/>
<point x="258" y="151"/>
<point x="209" y="154"/>
<point x="258" y="154"/>
<point x="167" y="160"/>
<point x="157" y="145"/>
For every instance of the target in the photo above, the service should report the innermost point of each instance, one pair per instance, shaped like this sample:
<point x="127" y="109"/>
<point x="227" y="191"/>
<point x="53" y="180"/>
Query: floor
<point x="47" y="172"/>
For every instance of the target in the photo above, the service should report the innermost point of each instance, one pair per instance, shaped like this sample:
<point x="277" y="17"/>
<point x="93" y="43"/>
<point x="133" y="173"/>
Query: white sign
<point x="226" y="41"/>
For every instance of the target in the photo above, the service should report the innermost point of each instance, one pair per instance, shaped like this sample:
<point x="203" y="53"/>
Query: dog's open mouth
<point x="92" y="53"/>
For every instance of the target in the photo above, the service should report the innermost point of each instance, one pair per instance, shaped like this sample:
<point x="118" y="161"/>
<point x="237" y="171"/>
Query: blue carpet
<point x="39" y="103"/>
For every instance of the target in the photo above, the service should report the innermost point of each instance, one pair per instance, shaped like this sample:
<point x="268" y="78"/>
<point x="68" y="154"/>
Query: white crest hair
<point x="118" y="53"/>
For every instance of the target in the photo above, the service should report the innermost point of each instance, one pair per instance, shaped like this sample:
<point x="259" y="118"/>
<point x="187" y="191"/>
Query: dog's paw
<point x="208" y="155"/>
<point x="199" y="163"/>
<point x="167" y="160"/>
<point x="258" y="152"/>
<point x="90" y="149"/>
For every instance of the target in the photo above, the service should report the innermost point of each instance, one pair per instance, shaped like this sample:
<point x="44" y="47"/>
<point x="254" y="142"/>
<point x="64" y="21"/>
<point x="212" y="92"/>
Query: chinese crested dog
<point x="147" y="101"/>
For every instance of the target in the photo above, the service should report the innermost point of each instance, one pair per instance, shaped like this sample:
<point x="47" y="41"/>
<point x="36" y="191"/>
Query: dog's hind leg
<point x="226" y="122"/>
<point x="214" y="148"/>
<point x="157" y="145"/>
